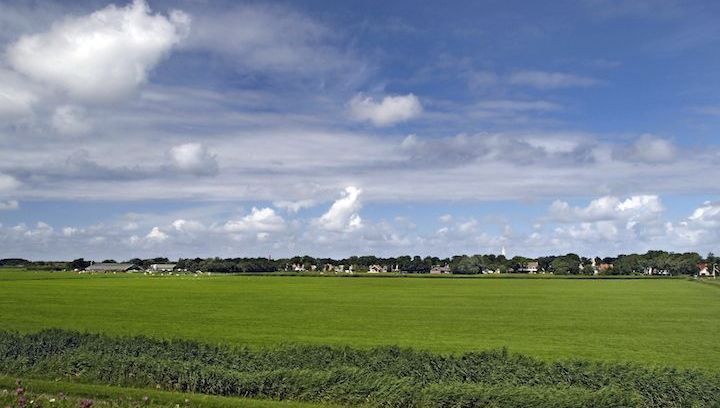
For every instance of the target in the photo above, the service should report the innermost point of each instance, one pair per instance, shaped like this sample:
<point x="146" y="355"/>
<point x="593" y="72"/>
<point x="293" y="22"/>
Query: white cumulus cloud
<point x="343" y="214"/>
<point x="389" y="111"/>
<point x="101" y="56"/>
<point x="608" y="208"/>
<point x="707" y="215"/>
<point x="69" y="231"/>
<point x="259" y="219"/>
<point x="702" y="227"/>
<point x="188" y="226"/>
<point x="156" y="235"/>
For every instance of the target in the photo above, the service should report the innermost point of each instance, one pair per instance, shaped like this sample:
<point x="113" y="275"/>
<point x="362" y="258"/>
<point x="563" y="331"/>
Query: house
<point x="704" y="271"/>
<point x="162" y="267"/>
<point x="438" y="270"/>
<point x="339" y="268"/>
<point x="656" y="271"/>
<point x="377" y="269"/>
<point x="604" y="267"/>
<point x="298" y="267"/>
<point x="530" y="267"/>
<point x="112" y="267"/>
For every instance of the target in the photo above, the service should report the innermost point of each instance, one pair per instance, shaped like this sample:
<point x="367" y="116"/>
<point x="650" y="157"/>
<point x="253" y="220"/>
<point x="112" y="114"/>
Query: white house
<point x="377" y="269"/>
<point x="168" y="267"/>
<point x="530" y="267"/>
<point x="438" y="270"/>
<point x="656" y="271"/>
<point x="704" y="271"/>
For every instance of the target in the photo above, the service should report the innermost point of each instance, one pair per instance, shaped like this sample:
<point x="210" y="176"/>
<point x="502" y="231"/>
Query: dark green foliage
<point x="14" y="262"/>
<point x="387" y="376"/>
<point x="566" y="265"/>
<point x="78" y="264"/>
<point x="673" y="263"/>
<point x="481" y="395"/>
<point x="570" y="264"/>
<point x="230" y="265"/>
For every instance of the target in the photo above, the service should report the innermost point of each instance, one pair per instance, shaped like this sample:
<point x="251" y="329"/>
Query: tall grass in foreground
<point x="383" y="377"/>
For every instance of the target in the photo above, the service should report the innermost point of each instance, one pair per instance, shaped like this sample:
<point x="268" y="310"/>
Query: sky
<point x="224" y="128"/>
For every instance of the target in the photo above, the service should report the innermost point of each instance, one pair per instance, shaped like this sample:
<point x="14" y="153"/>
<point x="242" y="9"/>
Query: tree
<point x="517" y="263"/>
<point x="587" y="270"/>
<point x="566" y="265"/>
<point x="14" y="262"/>
<point x="467" y="265"/>
<point x="78" y="264"/>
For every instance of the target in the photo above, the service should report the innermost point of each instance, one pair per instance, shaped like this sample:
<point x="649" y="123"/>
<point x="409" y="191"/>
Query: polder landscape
<point x="387" y="339"/>
<point x="362" y="204"/>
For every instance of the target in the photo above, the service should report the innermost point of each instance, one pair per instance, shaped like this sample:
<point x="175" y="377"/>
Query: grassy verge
<point x="63" y="394"/>
<point x="379" y="377"/>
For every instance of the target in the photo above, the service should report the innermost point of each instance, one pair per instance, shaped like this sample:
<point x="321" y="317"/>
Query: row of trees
<point x="569" y="264"/>
<point x="661" y="261"/>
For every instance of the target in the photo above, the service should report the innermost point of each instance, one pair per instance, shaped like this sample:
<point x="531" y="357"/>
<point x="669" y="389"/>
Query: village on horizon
<point x="652" y="263"/>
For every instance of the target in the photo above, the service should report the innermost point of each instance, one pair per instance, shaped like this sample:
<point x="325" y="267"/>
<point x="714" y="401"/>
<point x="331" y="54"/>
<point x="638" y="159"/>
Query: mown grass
<point x="668" y="322"/>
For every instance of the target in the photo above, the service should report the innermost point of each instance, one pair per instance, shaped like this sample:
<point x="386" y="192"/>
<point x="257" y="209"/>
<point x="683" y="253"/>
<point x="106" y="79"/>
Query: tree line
<point x="667" y="263"/>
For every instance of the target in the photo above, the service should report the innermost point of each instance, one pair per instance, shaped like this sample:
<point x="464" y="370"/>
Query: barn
<point x="112" y="267"/>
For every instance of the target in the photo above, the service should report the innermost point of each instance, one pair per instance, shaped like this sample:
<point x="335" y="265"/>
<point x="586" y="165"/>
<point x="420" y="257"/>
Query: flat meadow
<point x="669" y="322"/>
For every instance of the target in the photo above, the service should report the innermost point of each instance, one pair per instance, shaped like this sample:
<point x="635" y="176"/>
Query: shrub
<point x="383" y="376"/>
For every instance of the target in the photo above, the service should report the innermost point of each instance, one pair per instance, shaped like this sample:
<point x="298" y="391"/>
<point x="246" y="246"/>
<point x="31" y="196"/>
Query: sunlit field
<point x="667" y="322"/>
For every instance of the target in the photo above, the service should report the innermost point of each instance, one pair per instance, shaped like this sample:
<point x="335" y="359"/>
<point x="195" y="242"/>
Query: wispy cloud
<point x="550" y="80"/>
<point x="9" y="205"/>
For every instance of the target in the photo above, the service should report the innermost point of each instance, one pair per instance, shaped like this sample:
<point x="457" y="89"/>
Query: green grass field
<point x="669" y="322"/>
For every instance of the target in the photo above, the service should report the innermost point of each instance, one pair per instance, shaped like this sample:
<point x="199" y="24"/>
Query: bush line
<point x="381" y="377"/>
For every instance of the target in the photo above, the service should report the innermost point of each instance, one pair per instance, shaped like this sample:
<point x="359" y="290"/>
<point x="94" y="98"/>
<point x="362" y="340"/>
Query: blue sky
<point x="211" y="128"/>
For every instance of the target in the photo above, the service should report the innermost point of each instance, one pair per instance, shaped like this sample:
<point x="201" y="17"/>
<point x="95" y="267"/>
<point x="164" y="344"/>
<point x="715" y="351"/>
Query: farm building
<point x="530" y="267"/>
<point x="377" y="269"/>
<point x="656" y="271"/>
<point x="168" y="267"/>
<point x="112" y="267"/>
<point x="704" y="271"/>
<point x="296" y="267"/>
<point x="437" y="269"/>
<point x="342" y="269"/>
